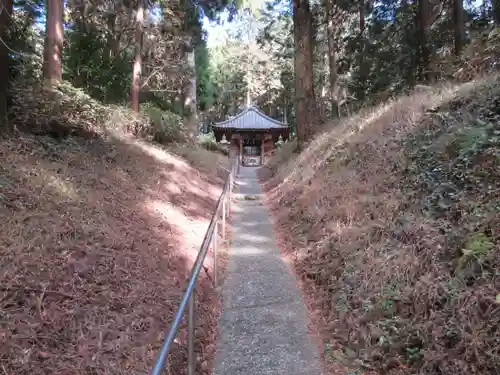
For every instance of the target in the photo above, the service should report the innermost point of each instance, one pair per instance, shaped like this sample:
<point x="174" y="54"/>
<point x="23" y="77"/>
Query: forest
<point x="385" y="197"/>
<point x="345" y="55"/>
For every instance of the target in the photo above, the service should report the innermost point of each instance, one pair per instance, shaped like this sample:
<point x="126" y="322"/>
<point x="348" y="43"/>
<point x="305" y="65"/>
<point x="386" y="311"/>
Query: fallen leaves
<point x="90" y="275"/>
<point x="381" y="208"/>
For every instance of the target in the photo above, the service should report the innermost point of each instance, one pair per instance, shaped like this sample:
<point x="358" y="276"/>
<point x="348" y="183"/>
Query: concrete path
<point x="264" y="320"/>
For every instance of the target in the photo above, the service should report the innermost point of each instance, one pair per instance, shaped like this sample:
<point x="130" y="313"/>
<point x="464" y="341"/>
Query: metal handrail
<point x="223" y="208"/>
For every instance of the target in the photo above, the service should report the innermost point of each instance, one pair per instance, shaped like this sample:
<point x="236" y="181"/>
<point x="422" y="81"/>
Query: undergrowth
<point x="396" y="218"/>
<point x="64" y="111"/>
<point x="208" y="142"/>
<point x="99" y="228"/>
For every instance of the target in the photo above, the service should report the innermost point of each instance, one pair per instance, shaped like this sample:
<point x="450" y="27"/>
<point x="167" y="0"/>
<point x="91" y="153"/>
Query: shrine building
<point x="251" y="135"/>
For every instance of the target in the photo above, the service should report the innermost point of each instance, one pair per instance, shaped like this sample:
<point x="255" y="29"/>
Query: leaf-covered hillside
<point x="396" y="221"/>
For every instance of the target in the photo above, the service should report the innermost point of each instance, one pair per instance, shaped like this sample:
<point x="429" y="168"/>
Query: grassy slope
<point x="396" y="218"/>
<point x="97" y="238"/>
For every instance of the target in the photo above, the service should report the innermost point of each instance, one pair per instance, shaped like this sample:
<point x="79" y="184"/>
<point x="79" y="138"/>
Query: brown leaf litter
<point x="97" y="238"/>
<point x="397" y="283"/>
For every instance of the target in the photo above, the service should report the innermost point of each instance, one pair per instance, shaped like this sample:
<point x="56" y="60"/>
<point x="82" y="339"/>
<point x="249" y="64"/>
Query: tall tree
<point x="458" y="25"/>
<point x="495" y="4"/>
<point x="192" y="35"/>
<point x="5" y="16"/>
<point x="304" y="89"/>
<point x="52" y="59"/>
<point x="190" y="93"/>
<point x="362" y="48"/>
<point x="137" y="66"/>
<point x="332" y="56"/>
<point x="424" y="55"/>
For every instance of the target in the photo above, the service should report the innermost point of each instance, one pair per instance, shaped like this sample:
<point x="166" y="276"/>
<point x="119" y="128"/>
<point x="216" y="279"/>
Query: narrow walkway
<point x="264" y="320"/>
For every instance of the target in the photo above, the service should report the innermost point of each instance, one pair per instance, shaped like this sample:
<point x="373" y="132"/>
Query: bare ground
<point x="97" y="238"/>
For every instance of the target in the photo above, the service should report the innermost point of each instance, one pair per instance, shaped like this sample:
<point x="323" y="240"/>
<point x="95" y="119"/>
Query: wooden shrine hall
<point x="251" y="135"/>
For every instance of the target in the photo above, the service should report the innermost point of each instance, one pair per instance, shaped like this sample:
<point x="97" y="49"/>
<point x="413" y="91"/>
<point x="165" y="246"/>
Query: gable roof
<point x="251" y="118"/>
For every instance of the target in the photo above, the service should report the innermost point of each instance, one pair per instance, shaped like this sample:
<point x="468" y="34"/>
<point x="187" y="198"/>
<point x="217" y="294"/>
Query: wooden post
<point x="262" y="152"/>
<point x="241" y="151"/>
<point x="229" y="200"/>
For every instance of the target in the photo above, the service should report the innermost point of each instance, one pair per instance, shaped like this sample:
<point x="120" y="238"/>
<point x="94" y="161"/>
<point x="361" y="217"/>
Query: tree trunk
<point x="190" y="95"/>
<point x="52" y="59"/>
<point x="304" y="89"/>
<point x="459" y="26"/>
<point x="362" y="50"/>
<point x="113" y="37"/>
<point x="424" y="51"/>
<point x="137" y="67"/>
<point x="361" y="31"/>
<point x="4" y="62"/>
<point x="332" y="57"/>
<point x="495" y="4"/>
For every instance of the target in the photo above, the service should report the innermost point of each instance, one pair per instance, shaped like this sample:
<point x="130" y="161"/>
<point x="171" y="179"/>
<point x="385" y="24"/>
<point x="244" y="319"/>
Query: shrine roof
<point x="251" y="118"/>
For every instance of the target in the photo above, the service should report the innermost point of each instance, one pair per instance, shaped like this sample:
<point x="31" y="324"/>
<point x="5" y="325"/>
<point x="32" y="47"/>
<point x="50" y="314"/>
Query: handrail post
<point x="229" y="199"/>
<point x="224" y="217"/>
<point x="230" y="192"/>
<point x="188" y="298"/>
<point x="214" y="248"/>
<point x="191" y="358"/>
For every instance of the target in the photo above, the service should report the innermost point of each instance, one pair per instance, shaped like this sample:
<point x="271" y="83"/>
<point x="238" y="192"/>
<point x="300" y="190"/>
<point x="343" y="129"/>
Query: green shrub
<point x="476" y="248"/>
<point x="208" y="142"/>
<point x="66" y="110"/>
<point x="166" y="126"/>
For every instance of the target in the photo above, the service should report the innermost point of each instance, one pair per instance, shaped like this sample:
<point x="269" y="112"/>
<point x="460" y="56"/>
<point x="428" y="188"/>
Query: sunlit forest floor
<point x="97" y="238"/>
<point x="395" y="216"/>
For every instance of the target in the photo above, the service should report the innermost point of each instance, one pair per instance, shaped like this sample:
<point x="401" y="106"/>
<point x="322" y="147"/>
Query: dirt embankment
<point x="97" y="238"/>
<point x="395" y="218"/>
